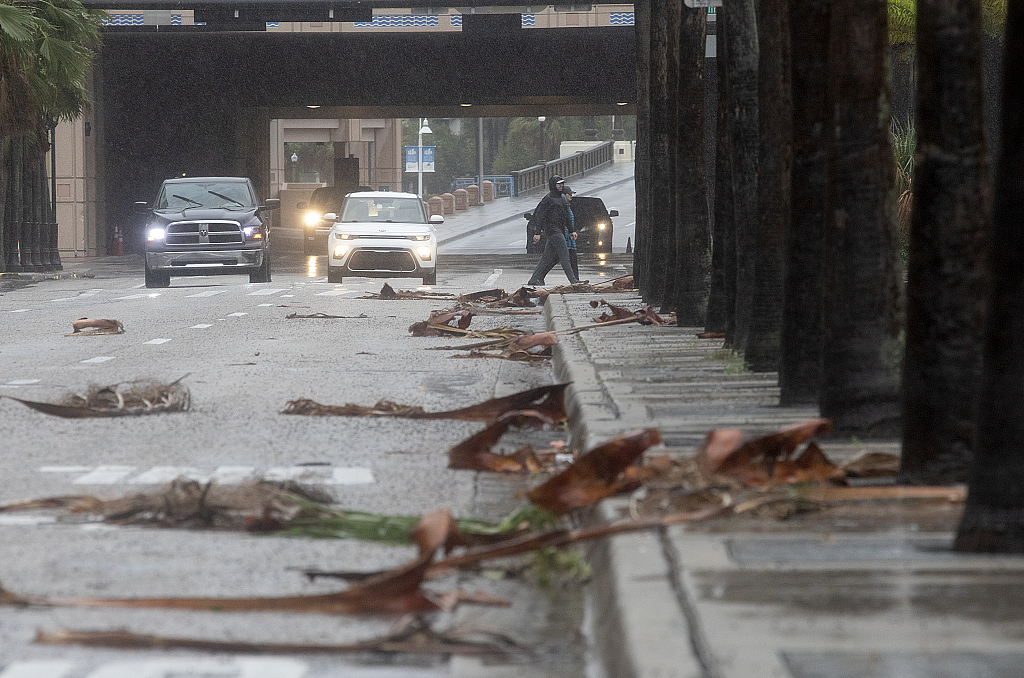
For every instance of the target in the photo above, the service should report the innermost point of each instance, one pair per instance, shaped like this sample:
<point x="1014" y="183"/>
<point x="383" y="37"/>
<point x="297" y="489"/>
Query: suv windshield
<point x="212" y="194"/>
<point x="384" y="210"/>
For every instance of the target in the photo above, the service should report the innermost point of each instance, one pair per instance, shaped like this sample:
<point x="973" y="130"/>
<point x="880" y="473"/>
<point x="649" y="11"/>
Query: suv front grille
<point x="204" y="233"/>
<point x="382" y="260"/>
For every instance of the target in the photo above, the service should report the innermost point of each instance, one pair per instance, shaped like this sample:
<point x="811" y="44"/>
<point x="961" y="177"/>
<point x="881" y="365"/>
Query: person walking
<point x="553" y="218"/>
<point x="570" y="239"/>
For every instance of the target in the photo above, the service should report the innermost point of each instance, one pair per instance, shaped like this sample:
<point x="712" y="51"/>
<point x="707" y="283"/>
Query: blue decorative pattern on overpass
<point x="621" y="18"/>
<point x="399" y="20"/>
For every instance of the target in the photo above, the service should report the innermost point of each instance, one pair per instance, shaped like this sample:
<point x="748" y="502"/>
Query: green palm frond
<point x="902" y="21"/>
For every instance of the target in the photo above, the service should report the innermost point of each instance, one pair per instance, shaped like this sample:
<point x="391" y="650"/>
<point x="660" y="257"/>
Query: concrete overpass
<point x="171" y="101"/>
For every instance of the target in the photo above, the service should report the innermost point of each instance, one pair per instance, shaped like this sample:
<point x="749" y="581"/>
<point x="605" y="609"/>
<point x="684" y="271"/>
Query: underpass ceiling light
<point x="312" y="105"/>
<point x="465" y="105"/>
<point x="622" y="103"/>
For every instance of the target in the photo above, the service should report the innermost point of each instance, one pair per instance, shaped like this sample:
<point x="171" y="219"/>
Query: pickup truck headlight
<point x="155" y="234"/>
<point x="313" y="218"/>
<point x="252" y="233"/>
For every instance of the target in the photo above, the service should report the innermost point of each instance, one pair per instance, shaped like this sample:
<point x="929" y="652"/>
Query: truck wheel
<point x="308" y="246"/>
<point x="261" y="274"/>
<point x="155" y="279"/>
<point x="334" y="274"/>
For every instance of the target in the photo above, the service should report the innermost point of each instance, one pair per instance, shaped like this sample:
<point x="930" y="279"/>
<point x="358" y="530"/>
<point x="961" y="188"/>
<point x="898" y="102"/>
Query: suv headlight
<point x="424" y="252"/>
<point x="155" y="234"/>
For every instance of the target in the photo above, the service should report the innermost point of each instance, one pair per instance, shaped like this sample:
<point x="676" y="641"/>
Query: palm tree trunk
<point x="993" y="517"/>
<point x="948" y="239"/>
<point x="861" y="358"/>
<point x="661" y="185"/>
<point x="4" y="221"/>
<point x="775" y="161"/>
<point x="642" y="28"/>
<point x="722" y="299"/>
<point x="800" y="364"/>
<point x="742" y="54"/>
<point x="692" y="236"/>
<point x="673" y="17"/>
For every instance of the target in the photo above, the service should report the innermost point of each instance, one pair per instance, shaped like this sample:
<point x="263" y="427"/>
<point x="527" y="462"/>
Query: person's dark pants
<point x="555" y="250"/>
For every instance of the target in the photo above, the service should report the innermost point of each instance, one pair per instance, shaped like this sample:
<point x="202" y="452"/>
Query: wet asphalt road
<point x="243" y="360"/>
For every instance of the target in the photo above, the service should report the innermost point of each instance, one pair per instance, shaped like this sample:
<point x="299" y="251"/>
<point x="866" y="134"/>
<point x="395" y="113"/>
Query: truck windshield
<point x="212" y="194"/>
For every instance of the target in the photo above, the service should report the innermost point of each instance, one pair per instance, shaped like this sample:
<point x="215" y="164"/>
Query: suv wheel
<point x="156" y="279"/>
<point x="334" y="274"/>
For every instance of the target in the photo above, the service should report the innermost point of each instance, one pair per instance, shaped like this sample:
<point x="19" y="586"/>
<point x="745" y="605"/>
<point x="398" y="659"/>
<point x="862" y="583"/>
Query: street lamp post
<point x="424" y="129"/>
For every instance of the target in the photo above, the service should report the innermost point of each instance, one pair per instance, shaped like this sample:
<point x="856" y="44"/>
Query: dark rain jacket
<point x="551" y="218"/>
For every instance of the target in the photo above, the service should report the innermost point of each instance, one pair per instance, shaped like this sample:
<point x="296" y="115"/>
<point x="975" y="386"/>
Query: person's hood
<point x="552" y="187"/>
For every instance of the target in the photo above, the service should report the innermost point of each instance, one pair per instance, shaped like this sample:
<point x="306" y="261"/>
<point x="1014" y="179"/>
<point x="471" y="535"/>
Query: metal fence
<point x="576" y="165"/>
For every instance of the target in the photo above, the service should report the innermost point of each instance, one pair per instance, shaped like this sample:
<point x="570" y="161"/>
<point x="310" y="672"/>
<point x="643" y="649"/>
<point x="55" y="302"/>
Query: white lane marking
<point x="22" y="382"/>
<point x="266" y="304"/>
<point x="156" y="342"/>
<point x="222" y="475"/>
<point x="7" y="520"/>
<point x="104" y="475"/>
<point x="265" y="293"/>
<point x="99" y="359"/>
<point x="65" y="299"/>
<point x="201" y="326"/>
<point x="517" y="243"/>
<point x="236" y="315"/>
<point x="165" y="474"/>
<point x="262" y="667"/>
<point x="232" y="475"/>
<point x="335" y="293"/>
<point x="151" y="295"/>
<point x="350" y="476"/>
<point x="493" y="278"/>
<point x="208" y="293"/>
<point x="37" y="669"/>
<point x="21" y="310"/>
<point x="287" y="296"/>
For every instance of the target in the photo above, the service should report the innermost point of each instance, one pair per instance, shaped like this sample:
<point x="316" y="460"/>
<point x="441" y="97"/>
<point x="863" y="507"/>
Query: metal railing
<point x="576" y="165"/>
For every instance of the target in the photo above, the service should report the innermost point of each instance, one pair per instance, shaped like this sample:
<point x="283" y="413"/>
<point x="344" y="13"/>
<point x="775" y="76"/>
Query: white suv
<point x="382" y="234"/>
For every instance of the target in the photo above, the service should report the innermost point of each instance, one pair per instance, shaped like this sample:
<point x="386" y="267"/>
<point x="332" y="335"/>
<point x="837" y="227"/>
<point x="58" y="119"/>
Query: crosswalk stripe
<point x="201" y="326"/>
<point x="208" y="668"/>
<point x="236" y="315"/>
<point x="99" y="359"/>
<point x="222" y="475"/>
<point x="265" y="293"/>
<point x="207" y="293"/>
<point x="232" y="475"/>
<point x="156" y="342"/>
<point x="37" y="669"/>
<point x="104" y="475"/>
<point x="350" y="476"/>
<point x="165" y="474"/>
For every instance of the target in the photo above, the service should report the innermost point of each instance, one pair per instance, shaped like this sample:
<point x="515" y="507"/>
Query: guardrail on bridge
<point x="576" y="165"/>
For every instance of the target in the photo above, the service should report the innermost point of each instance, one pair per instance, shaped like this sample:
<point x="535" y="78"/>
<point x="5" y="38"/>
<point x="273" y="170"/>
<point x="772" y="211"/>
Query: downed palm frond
<point x="499" y="298"/>
<point x="415" y="636"/>
<point x="118" y="400"/>
<point x="324" y="316"/>
<point x="644" y="316"/>
<point x="769" y="460"/>
<point x="550" y="400"/>
<point x="439" y="324"/>
<point x="597" y="474"/>
<point x="474" y="453"/>
<point x="89" y="327"/>
<point x="393" y="592"/>
<point x="622" y="284"/>
<point x="388" y="293"/>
